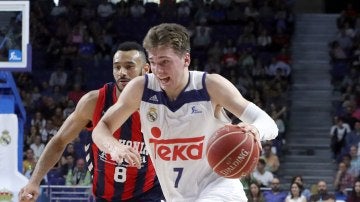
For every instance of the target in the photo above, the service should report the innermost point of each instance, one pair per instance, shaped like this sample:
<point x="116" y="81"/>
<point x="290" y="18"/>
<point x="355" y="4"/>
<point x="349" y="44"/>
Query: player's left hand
<point x="251" y="130"/>
<point x="120" y="153"/>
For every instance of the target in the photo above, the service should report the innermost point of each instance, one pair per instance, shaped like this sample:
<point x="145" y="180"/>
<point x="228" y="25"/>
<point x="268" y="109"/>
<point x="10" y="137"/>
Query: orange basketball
<point x="231" y="153"/>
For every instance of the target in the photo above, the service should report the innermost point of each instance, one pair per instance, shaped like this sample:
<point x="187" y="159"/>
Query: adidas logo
<point x="154" y="98"/>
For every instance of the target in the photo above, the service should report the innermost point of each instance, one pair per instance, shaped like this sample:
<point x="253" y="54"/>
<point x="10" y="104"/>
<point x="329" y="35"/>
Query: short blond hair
<point x="170" y="35"/>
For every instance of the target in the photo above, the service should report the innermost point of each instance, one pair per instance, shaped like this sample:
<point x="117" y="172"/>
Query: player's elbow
<point x="96" y="134"/>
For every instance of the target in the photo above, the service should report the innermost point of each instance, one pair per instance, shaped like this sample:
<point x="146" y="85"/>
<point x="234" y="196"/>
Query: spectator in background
<point x="29" y="162"/>
<point x="276" y="65"/>
<point x="137" y="10"/>
<point x="69" y="150"/>
<point x="35" y="94"/>
<point x="105" y="10"/>
<point x="295" y="193"/>
<point x="262" y="176"/>
<point x="271" y="159"/>
<point x="79" y="175"/>
<point x="59" y="10"/>
<point x="343" y="180"/>
<point x="67" y="163"/>
<point x="58" y="77"/>
<point x="304" y="191"/>
<point x="215" y="52"/>
<point x="57" y="118"/>
<point x="49" y="130"/>
<point x="201" y="15"/>
<point x="217" y="13"/>
<point x="183" y="10"/>
<point x="37" y="147"/>
<point x="70" y="107"/>
<point x="122" y="9"/>
<point x="77" y="75"/>
<point x="212" y="66"/>
<point x="337" y="53"/>
<point x="279" y="120"/>
<point x="57" y="94"/>
<point x="255" y="194"/>
<point x="275" y="194"/>
<point x="48" y="107"/>
<point x="338" y="133"/>
<point x="233" y="13"/>
<point x="353" y="137"/>
<point x="264" y="40"/>
<point x="31" y="134"/>
<point x="38" y="120"/>
<point x="322" y="193"/>
<point x="251" y="12"/>
<point x="87" y="48"/>
<point x="354" y="196"/>
<point x="202" y="38"/>
<point x="355" y="161"/>
<point x="76" y="93"/>
<point x="344" y="40"/>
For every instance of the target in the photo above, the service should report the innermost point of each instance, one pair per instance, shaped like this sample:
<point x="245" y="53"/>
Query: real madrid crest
<point x="152" y="114"/>
<point x="5" y="138"/>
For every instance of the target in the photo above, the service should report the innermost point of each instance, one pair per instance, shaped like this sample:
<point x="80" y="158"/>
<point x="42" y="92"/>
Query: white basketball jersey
<point x="176" y="134"/>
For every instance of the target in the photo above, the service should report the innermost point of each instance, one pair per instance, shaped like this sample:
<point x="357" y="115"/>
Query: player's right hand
<point x="29" y="193"/>
<point x="120" y="153"/>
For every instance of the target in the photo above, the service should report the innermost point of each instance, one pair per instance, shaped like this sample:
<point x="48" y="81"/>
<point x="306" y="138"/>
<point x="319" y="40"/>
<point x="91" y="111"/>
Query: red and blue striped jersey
<point x="113" y="181"/>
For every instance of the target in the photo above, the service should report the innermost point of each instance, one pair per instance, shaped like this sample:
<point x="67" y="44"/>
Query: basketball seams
<point x="247" y="160"/>
<point x="218" y="139"/>
<point x="224" y="136"/>
<point x="234" y="167"/>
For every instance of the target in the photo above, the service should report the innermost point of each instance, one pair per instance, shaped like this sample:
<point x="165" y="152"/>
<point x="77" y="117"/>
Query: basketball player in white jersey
<point x="178" y="116"/>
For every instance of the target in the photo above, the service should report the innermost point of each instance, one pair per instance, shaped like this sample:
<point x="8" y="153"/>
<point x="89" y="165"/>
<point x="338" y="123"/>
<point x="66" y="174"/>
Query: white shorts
<point x="226" y="190"/>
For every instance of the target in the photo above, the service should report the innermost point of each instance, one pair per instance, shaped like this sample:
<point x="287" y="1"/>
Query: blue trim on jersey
<point x="101" y="164"/>
<point x="195" y="95"/>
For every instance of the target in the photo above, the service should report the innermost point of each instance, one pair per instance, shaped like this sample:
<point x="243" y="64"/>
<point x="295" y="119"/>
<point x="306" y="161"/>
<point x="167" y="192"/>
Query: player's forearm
<point x="261" y="120"/>
<point x="48" y="159"/>
<point x="103" y="138"/>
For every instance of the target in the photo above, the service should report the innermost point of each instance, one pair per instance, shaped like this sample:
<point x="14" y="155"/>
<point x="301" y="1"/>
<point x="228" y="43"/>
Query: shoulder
<point x="214" y="82"/>
<point x="213" y="77"/>
<point x="89" y="98"/>
<point x="140" y="80"/>
<point x="87" y="104"/>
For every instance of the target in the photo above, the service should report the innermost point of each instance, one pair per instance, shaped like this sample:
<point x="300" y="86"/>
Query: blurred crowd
<point x="344" y="51"/>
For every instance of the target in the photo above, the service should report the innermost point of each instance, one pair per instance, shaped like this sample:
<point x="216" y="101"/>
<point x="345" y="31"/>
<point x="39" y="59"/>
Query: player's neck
<point x="173" y="95"/>
<point x="118" y="92"/>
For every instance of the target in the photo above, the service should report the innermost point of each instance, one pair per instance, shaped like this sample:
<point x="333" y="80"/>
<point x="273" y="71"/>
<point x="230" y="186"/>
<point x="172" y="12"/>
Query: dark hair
<point x="262" y="161"/>
<point x="353" y="192"/>
<point x="299" y="186"/>
<point x="258" y="186"/>
<point x="132" y="45"/>
<point x="297" y="176"/>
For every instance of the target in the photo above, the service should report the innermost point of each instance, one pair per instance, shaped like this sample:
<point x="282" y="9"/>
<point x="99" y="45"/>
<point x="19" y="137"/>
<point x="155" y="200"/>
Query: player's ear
<point x="146" y="69"/>
<point x="187" y="59"/>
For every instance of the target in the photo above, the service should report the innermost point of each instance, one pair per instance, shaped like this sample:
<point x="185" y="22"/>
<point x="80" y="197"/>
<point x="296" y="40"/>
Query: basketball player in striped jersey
<point x="112" y="181"/>
<point x="178" y="116"/>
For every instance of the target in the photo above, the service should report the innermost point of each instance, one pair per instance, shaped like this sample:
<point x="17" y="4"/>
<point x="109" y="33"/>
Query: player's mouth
<point x="164" y="80"/>
<point x="123" y="82"/>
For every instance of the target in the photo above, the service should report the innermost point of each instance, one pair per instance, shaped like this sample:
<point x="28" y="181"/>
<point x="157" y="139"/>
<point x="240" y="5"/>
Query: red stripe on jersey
<point x="95" y="161"/>
<point x="150" y="176"/>
<point x="136" y="135"/>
